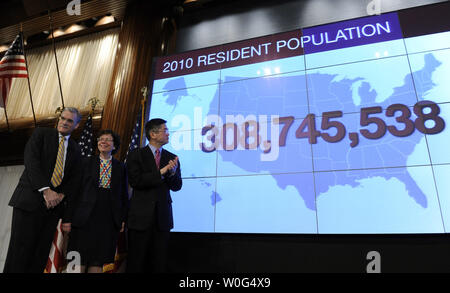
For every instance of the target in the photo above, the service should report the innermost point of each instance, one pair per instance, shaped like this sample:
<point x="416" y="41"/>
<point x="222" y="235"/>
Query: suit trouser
<point x="31" y="238"/>
<point x="147" y="250"/>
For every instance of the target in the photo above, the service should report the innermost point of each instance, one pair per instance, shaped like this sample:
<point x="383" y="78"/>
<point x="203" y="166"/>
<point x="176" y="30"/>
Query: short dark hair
<point x="153" y="125"/>
<point x="115" y="136"/>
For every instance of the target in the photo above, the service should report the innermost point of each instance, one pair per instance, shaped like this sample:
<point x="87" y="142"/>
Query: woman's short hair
<point x="115" y="136"/>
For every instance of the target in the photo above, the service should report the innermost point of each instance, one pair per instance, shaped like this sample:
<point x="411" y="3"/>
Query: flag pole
<point x="56" y="58"/>
<point x="6" y="116"/>
<point x="28" y="76"/>
<point x="144" y="91"/>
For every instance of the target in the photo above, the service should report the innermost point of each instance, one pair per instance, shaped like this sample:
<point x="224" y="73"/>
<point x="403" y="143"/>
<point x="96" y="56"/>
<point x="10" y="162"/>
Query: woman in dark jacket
<point x="102" y="206"/>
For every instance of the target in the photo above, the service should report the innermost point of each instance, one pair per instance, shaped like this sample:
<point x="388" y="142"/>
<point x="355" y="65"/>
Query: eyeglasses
<point x="165" y="130"/>
<point x="104" y="139"/>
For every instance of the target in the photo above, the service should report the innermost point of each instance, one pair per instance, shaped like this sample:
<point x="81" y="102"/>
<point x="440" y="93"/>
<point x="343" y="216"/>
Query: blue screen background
<point x="387" y="185"/>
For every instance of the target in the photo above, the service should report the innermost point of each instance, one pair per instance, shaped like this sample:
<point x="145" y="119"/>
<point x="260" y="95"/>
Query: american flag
<point x="56" y="261"/>
<point x="86" y="139"/>
<point x="136" y="136"/>
<point x="12" y="65"/>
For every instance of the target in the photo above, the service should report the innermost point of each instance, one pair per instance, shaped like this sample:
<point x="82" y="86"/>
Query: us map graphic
<point x="354" y="147"/>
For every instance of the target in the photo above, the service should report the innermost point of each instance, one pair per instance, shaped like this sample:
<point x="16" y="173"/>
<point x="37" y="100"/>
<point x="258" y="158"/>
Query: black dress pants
<point x="147" y="250"/>
<point x="31" y="239"/>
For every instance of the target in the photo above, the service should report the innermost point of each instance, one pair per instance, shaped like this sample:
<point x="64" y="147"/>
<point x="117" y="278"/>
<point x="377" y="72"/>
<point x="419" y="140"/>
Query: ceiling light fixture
<point x="3" y="48"/>
<point x="105" y="20"/>
<point x="56" y="33"/>
<point x="74" y="28"/>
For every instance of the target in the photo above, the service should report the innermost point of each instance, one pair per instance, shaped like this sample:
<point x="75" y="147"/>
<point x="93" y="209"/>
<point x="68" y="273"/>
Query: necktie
<point x="157" y="157"/>
<point x="58" y="171"/>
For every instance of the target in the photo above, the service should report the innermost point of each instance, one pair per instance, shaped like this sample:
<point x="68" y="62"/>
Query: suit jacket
<point x="39" y="159"/>
<point x="89" y="192"/>
<point x="151" y="192"/>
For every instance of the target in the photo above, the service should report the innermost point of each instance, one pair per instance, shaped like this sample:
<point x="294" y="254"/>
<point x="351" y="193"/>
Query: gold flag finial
<point x="144" y="91"/>
<point x="58" y="112"/>
<point x="93" y="102"/>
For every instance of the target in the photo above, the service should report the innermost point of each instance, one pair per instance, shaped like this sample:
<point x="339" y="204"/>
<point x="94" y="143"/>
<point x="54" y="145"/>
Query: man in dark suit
<point x="45" y="193"/>
<point x="152" y="172"/>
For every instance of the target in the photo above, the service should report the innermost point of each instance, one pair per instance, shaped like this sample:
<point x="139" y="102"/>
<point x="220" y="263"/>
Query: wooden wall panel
<point x="142" y="34"/>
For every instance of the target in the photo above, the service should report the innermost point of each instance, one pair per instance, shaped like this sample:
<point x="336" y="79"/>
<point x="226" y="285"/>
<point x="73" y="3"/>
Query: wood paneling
<point x="143" y="32"/>
<point x="145" y="28"/>
<point x="94" y="8"/>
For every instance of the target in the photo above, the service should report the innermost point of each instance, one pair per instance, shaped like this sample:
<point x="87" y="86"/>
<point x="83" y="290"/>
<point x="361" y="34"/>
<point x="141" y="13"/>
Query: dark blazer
<point x="39" y="159"/>
<point x="151" y="193"/>
<point x="89" y="191"/>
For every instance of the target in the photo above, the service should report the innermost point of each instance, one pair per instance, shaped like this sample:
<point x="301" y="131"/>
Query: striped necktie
<point x="58" y="171"/>
<point x="157" y="157"/>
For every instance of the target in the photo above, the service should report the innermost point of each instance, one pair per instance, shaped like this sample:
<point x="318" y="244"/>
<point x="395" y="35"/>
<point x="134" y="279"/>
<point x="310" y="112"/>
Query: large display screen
<point x="338" y="128"/>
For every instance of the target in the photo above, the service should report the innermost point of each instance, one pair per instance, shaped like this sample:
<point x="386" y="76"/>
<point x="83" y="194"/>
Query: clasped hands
<point x="52" y="198"/>
<point x="170" y="167"/>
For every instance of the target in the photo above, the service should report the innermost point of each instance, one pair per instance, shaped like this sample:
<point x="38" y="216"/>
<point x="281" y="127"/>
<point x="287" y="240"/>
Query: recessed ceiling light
<point x="105" y="20"/>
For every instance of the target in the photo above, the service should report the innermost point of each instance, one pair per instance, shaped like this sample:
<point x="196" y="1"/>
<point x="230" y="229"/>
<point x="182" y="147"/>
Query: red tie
<point x="157" y="157"/>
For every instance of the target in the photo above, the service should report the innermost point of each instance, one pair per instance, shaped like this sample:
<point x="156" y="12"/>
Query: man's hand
<point x="173" y="164"/>
<point x="51" y="198"/>
<point x="66" y="227"/>
<point x="170" y="167"/>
